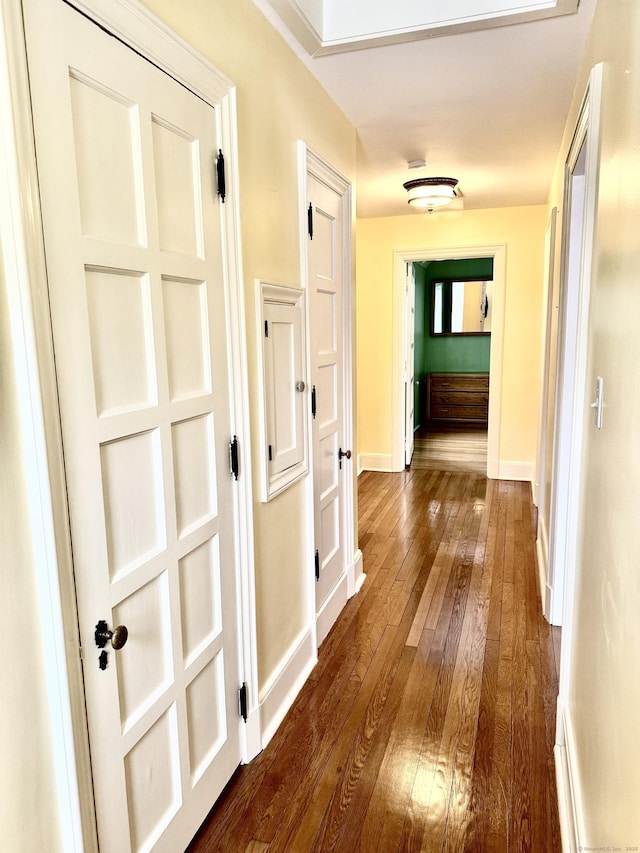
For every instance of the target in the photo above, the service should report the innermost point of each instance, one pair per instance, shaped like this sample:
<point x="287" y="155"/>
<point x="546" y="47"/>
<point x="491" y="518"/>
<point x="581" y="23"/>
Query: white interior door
<point x="126" y="160"/>
<point x="325" y="285"/>
<point x="409" y="369"/>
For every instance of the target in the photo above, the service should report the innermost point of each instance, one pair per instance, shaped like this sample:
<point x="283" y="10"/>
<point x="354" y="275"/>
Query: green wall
<point x="445" y="354"/>
<point x="421" y="328"/>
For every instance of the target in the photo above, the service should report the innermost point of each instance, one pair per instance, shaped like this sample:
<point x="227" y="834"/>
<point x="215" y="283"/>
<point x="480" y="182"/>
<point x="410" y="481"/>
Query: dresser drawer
<point x="460" y="413"/>
<point x="460" y="382"/>
<point x="460" y="398"/>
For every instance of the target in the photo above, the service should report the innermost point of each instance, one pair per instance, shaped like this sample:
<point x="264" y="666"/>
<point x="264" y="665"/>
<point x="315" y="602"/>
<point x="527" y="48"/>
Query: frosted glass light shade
<point x="428" y="193"/>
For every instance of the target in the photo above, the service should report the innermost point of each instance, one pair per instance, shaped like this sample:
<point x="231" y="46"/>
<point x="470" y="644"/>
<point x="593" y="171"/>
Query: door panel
<point x="284" y="367"/>
<point x="132" y="235"/>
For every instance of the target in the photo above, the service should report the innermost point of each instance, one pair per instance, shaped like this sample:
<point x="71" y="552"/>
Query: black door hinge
<point x="310" y="220"/>
<point x="234" y="459"/>
<point x="266" y="328"/>
<point x="222" y="183"/>
<point x="270" y="453"/>
<point x="242" y="701"/>
<point x="317" y="560"/>
<point x="313" y="402"/>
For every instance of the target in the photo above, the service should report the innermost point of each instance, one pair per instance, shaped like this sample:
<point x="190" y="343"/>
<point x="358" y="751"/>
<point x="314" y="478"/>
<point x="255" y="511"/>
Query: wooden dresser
<point x="458" y="397"/>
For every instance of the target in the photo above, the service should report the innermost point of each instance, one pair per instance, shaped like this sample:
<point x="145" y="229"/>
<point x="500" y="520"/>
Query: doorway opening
<point x="452" y="338"/>
<point x="453" y="357"/>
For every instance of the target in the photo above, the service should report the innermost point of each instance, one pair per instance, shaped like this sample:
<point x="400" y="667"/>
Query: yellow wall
<point x="604" y="690"/>
<point x="278" y="102"/>
<point x="522" y="230"/>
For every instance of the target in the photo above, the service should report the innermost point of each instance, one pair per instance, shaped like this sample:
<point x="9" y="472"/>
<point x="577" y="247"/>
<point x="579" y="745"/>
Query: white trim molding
<point x="567" y="782"/>
<point x="357" y="576"/>
<point x="385" y="462"/>
<point x="332" y="607"/>
<point x="588" y="129"/>
<point x="284" y="684"/>
<point x="498" y="252"/>
<point x="542" y="557"/>
<point x="512" y="470"/>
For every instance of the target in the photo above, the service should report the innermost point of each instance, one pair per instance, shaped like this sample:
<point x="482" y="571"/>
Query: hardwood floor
<point x="428" y="723"/>
<point x="454" y="448"/>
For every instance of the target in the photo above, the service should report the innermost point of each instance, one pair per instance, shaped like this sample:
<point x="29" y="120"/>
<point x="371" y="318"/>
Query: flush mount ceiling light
<point x="429" y="193"/>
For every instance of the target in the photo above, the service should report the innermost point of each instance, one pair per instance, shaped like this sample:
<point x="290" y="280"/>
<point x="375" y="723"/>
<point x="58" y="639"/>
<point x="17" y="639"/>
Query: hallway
<point x="429" y="720"/>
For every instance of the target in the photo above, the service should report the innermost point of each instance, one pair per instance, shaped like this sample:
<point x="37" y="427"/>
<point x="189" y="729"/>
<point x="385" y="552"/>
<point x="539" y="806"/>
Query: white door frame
<point x="409" y="369"/>
<point x="544" y="440"/>
<point x="24" y="270"/>
<point x="498" y="252"/>
<point x="565" y="489"/>
<point x="588" y="130"/>
<point x="310" y="163"/>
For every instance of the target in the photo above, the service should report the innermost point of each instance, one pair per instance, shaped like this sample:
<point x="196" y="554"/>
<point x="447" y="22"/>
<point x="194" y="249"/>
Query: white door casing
<point x="139" y="307"/>
<point x="549" y="323"/>
<point x="564" y="404"/>
<point x="409" y="367"/>
<point x="581" y="188"/>
<point x="566" y="555"/>
<point x="495" y="468"/>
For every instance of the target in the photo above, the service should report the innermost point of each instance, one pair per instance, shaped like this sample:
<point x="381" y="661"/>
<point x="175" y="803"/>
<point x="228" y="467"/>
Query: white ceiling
<point x="486" y="106"/>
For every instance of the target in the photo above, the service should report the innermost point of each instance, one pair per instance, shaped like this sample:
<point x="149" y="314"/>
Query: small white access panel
<point x="283" y="386"/>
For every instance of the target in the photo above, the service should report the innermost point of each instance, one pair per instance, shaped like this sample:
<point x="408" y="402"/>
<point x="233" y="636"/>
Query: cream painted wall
<point x="604" y="661"/>
<point x="28" y="800"/>
<point x="278" y="102"/>
<point x="522" y="230"/>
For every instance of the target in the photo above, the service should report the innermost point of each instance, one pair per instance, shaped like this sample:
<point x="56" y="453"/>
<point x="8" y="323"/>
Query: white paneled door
<point x="126" y="160"/>
<point x="330" y="456"/>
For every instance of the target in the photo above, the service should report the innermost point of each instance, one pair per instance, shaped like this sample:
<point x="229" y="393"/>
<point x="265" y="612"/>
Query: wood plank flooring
<point x="451" y="447"/>
<point x="428" y="723"/>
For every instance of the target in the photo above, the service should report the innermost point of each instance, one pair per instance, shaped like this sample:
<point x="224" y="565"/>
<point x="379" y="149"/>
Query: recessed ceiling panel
<point x="332" y="26"/>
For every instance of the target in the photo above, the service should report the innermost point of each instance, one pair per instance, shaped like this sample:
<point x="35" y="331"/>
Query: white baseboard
<point x="542" y="557"/>
<point x="509" y="470"/>
<point x="497" y="469"/>
<point x="380" y="462"/>
<point x="567" y="783"/>
<point x="356" y="576"/>
<point x="331" y="609"/>
<point x="252" y="742"/>
<point x="281" y="689"/>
